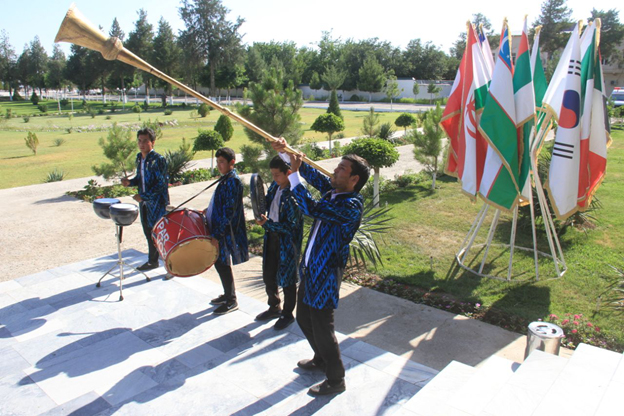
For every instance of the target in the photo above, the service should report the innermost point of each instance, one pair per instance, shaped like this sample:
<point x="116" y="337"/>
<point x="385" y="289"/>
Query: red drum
<point x="181" y="238"/>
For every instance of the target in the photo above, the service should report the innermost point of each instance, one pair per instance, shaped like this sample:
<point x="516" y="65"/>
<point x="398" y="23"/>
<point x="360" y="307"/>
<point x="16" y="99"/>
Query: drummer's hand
<point x="214" y="241"/>
<point x="279" y="145"/>
<point x="137" y="198"/>
<point x="295" y="161"/>
<point x="262" y="221"/>
<point x="125" y="182"/>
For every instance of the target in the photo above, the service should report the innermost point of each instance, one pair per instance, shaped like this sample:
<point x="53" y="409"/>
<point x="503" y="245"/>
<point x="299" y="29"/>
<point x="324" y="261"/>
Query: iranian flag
<point x="499" y="184"/>
<point x="563" y="175"/>
<point x="595" y="134"/>
<point x="461" y="117"/>
<point x="524" y="98"/>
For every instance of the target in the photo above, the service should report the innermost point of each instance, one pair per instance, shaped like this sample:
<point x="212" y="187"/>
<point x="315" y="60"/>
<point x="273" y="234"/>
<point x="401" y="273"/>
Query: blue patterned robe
<point x="156" y="194"/>
<point x="228" y="220"/>
<point x="339" y="220"/>
<point x="290" y="232"/>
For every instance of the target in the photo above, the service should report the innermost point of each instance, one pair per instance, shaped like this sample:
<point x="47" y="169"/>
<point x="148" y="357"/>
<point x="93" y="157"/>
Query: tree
<point x="224" y="127"/>
<point x="208" y="140"/>
<point x="255" y="65"/>
<point x="334" y="77"/>
<point x="231" y="76"/>
<point x="415" y="89"/>
<point x="433" y="89"/>
<point x="121" y="74"/>
<point x="405" y="120"/>
<point x="328" y="123"/>
<point x="37" y="64"/>
<point x="141" y="43"/>
<point x="392" y="89"/>
<point x="378" y="153"/>
<point x="424" y="61"/>
<point x="334" y="107"/>
<point x="611" y="34"/>
<point x="77" y="69"/>
<point x="120" y="148"/>
<point x="428" y="143"/>
<point x="478" y="20"/>
<point x="315" y="81"/>
<point x="217" y="39"/>
<point x="370" y="124"/>
<point x="372" y="76"/>
<point x="166" y="54"/>
<point x="22" y="67"/>
<point x="32" y="142"/>
<point x="275" y="109"/>
<point x="8" y="62"/>
<point x="554" y="19"/>
<point x="55" y="78"/>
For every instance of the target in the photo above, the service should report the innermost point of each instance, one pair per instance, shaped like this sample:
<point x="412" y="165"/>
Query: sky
<point x="397" y="21"/>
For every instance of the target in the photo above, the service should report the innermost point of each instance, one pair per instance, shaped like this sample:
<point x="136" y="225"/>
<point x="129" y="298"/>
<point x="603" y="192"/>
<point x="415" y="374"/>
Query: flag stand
<point x="556" y="253"/>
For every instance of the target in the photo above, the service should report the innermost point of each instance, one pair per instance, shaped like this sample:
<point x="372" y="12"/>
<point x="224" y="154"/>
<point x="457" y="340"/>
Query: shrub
<point x="32" y="141"/>
<point x="9" y="113"/>
<point x="26" y="119"/>
<point x="113" y="108"/>
<point x="137" y="109"/>
<point x="43" y="108"/>
<point x="405" y="120"/>
<point x="17" y="96"/>
<point x="193" y="114"/>
<point x="100" y="111"/>
<point x="146" y="106"/>
<point x="207" y="140"/>
<point x="178" y="161"/>
<point x="334" y="107"/>
<point x="224" y="127"/>
<point x="204" y="110"/>
<point x="92" y="113"/>
<point x="168" y="112"/>
<point x="34" y="98"/>
<point x="64" y="102"/>
<point x="120" y="148"/>
<point x="59" y="142"/>
<point x="69" y="130"/>
<point x="578" y="329"/>
<point x="355" y="97"/>
<point x="54" y="176"/>
<point x="197" y="175"/>
<point x="93" y="191"/>
<point x="108" y="117"/>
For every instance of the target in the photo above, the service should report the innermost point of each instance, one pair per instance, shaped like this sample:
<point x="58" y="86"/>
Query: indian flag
<point x="524" y="98"/>
<point x="461" y="117"/>
<point x="499" y="184"/>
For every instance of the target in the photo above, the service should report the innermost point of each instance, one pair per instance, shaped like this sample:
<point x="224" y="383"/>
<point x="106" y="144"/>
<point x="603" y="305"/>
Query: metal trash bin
<point x="543" y="336"/>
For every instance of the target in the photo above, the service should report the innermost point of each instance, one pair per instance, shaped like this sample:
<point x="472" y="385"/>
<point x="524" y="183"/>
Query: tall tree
<point x="141" y="42"/>
<point x="230" y="76"/>
<point x="8" y="62"/>
<point x="166" y="54"/>
<point x="372" y="76"/>
<point x="392" y="89"/>
<point x="554" y="19"/>
<point x="22" y="69"/>
<point x="191" y="60"/>
<point x="78" y="69"/>
<point x="37" y="64"/>
<point x="255" y="65"/>
<point x="428" y="144"/>
<point x="334" y="77"/>
<point x="55" y="78"/>
<point x="611" y="34"/>
<point x="121" y="74"/>
<point x="218" y="40"/>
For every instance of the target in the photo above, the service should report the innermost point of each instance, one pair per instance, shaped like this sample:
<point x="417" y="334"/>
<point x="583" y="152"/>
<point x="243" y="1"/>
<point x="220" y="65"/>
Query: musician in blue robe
<point x="226" y="221"/>
<point x="337" y="216"/>
<point x="152" y="181"/>
<point x="282" y="246"/>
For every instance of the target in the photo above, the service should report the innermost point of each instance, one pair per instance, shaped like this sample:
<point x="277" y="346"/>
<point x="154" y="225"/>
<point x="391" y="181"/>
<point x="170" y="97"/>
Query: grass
<point x="80" y="151"/>
<point x="433" y="225"/>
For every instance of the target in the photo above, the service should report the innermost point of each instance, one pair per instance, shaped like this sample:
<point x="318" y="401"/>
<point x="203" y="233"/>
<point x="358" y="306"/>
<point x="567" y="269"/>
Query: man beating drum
<point x="153" y="185"/>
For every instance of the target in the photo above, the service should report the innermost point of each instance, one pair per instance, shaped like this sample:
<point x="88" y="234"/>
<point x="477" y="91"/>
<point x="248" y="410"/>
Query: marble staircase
<point x="590" y="383"/>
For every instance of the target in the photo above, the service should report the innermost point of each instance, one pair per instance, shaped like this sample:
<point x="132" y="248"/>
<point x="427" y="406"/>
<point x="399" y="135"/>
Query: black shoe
<point x="325" y="388"/>
<point x="229" y="306"/>
<point x="309" y="365"/>
<point x="220" y="300"/>
<point x="269" y="314"/>
<point x="147" y="266"/>
<point x="283" y="322"/>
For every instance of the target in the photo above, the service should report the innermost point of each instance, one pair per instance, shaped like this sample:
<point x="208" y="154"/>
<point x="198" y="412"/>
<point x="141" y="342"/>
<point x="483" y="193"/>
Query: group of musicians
<point x="337" y="215"/>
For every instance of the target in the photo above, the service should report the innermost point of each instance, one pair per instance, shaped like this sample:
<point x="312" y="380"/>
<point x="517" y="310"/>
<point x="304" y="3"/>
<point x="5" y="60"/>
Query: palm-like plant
<point x="613" y="297"/>
<point x="363" y="247"/>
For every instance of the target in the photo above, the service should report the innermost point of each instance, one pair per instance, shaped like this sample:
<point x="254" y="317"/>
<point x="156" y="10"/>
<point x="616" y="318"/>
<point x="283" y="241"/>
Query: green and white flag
<point x="499" y="184"/>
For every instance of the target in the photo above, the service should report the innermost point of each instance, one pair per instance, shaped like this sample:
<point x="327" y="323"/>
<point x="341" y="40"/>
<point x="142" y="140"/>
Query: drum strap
<point x="202" y="191"/>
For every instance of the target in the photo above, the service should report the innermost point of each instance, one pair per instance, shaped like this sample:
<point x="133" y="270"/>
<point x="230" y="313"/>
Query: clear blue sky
<point x="396" y="21"/>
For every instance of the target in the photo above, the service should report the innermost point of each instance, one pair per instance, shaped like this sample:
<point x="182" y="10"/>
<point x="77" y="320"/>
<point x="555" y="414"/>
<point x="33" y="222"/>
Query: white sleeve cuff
<point x="285" y="157"/>
<point x="295" y="179"/>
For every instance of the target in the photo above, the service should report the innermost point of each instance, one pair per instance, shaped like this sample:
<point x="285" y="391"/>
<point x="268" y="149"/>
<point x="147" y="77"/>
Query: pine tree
<point x="428" y="143"/>
<point x="372" y="76"/>
<point x="334" y="107"/>
<point x="166" y="54"/>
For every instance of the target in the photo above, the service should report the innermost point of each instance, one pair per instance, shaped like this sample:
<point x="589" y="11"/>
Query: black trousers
<point x="152" y="256"/>
<point x="270" y="268"/>
<point x="227" y="279"/>
<point x="318" y="327"/>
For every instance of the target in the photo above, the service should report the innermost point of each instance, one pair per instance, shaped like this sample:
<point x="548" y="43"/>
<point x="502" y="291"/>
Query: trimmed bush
<point x="34" y="98"/>
<point x="204" y="110"/>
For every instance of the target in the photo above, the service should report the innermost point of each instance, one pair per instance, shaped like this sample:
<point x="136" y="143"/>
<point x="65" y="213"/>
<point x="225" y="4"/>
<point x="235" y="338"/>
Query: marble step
<point x="484" y="385"/>
<point x="526" y="388"/>
<point x="433" y="399"/>
<point x="583" y="384"/>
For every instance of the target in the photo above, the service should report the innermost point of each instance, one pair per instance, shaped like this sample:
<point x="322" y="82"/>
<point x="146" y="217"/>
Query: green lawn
<point x="80" y="151"/>
<point x="433" y="225"/>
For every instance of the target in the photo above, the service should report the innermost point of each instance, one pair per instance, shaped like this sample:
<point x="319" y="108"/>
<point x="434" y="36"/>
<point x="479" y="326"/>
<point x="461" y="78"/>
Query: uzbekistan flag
<point x="499" y="184"/>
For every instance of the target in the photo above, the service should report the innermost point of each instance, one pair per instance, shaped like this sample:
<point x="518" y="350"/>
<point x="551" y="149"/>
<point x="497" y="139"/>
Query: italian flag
<point x="461" y="116"/>
<point x="499" y="184"/>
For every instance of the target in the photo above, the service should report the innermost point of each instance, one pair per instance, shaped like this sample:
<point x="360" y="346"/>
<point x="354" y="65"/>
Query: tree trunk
<point x="212" y="79"/>
<point x="376" y="189"/>
<point x="435" y="173"/>
<point x="330" y="152"/>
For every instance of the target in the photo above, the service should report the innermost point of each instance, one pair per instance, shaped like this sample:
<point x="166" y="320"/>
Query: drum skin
<point x="182" y="239"/>
<point x="101" y="207"/>
<point x="257" y="196"/>
<point x="124" y="214"/>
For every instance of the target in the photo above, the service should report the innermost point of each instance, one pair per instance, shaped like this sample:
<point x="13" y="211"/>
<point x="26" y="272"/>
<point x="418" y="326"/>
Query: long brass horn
<point x="78" y="30"/>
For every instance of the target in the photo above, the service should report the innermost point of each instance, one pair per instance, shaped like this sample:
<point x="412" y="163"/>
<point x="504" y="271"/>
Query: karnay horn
<point x="78" y="30"/>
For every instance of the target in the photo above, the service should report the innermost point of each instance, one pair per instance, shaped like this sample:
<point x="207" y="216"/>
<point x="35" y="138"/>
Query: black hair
<point x="278" y="163"/>
<point x="147" y="132"/>
<point x="226" y="153"/>
<point x="360" y="167"/>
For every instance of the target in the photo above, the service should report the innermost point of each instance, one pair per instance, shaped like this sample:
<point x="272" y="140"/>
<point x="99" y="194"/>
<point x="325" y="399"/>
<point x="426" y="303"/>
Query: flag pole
<point x="474" y="235"/>
<point x="512" y="242"/>
<point x="493" y="227"/>
<point x="474" y="223"/>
